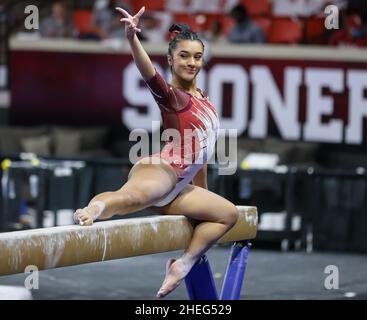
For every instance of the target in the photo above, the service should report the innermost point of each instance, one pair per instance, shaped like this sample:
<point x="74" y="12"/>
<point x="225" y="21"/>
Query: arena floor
<point x="270" y="274"/>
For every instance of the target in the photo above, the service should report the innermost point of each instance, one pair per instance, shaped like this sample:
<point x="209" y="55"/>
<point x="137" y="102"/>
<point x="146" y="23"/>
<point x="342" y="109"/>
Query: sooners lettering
<point x="323" y="86"/>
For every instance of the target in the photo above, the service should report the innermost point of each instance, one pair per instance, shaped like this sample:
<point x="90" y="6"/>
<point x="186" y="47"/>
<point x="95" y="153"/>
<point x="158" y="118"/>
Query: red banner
<point x="298" y="99"/>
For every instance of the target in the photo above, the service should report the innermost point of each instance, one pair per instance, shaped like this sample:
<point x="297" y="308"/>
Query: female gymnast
<point x="164" y="185"/>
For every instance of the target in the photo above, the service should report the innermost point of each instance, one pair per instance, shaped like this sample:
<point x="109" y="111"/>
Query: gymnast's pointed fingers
<point x="139" y="14"/>
<point x="124" y="12"/>
<point x="127" y="20"/>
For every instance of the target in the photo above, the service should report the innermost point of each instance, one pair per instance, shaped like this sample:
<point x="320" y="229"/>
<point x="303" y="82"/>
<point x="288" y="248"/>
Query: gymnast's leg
<point x="217" y="216"/>
<point x="147" y="184"/>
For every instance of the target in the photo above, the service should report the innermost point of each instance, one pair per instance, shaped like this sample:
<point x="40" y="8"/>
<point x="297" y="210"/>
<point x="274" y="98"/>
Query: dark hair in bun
<point x="180" y="32"/>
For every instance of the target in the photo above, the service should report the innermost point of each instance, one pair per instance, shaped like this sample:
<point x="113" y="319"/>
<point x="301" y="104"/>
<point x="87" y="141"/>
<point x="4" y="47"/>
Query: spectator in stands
<point x="105" y="22"/>
<point x="304" y="8"/>
<point x="244" y="30"/>
<point x="115" y="30"/>
<point x="155" y="26"/>
<point x="58" y="24"/>
<point x="359" y="8"/>
<point x="215" y="33"/>
<point x="150" y="25"/>
<point x="353" y="34"/>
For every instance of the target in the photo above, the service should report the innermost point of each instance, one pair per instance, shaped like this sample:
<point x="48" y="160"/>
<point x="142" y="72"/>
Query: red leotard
<point x="181" y="110"/>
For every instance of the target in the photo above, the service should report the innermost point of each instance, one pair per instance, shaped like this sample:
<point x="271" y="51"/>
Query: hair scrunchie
<point x="173" y="34"/>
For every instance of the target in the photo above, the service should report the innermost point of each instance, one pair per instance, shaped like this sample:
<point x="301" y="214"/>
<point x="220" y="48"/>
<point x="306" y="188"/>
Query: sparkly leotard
<point x="197" y="124"/>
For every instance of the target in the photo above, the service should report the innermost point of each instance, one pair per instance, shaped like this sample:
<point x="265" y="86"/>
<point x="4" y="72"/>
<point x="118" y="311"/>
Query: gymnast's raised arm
<point x="168" y="98"/>
<point x="140" y="56"/>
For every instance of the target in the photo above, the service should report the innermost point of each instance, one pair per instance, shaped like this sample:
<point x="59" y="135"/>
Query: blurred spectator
<point x="106" y="22"/>
<point x="215" y="33"/>
<point x="244" y="30"/>
<point x="117" y="29"/>
<point x="353" y="33"/>
<point x="212" y="6"/>
<point x="303" y="8"/>
<point x="203" y="6"/>
<point x="58" y="24"/>
<point x="154" y="26"/>
<point x="358" y="7"/>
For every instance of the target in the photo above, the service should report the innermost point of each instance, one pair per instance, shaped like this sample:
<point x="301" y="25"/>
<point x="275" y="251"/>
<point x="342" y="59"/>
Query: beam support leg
<point x="200" y="283"/>
<point x="235" y="272"/>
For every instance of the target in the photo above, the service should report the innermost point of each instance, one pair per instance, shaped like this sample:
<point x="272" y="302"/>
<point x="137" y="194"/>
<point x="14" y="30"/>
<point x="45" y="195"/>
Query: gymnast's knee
<point x="231" y="216"/>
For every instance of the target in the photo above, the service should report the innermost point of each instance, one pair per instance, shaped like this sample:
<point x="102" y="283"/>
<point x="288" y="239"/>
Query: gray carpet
<point x="270" y="274"/>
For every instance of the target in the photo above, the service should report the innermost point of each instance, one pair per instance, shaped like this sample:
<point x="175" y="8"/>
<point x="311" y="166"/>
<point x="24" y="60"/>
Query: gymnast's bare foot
<point x="175" y="272"/>
<point x="86" y="216"/>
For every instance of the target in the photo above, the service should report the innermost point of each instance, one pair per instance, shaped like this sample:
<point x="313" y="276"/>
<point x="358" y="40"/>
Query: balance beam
<point x="115" y="239"/>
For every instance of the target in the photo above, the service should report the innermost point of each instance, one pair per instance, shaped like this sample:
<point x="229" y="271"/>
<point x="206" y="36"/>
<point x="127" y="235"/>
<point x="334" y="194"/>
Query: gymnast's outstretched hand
<point x="131" y="22"/>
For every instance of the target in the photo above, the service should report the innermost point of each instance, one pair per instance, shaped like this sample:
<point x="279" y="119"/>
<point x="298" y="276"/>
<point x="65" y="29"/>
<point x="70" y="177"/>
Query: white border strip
<point x="223" y="50"/>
